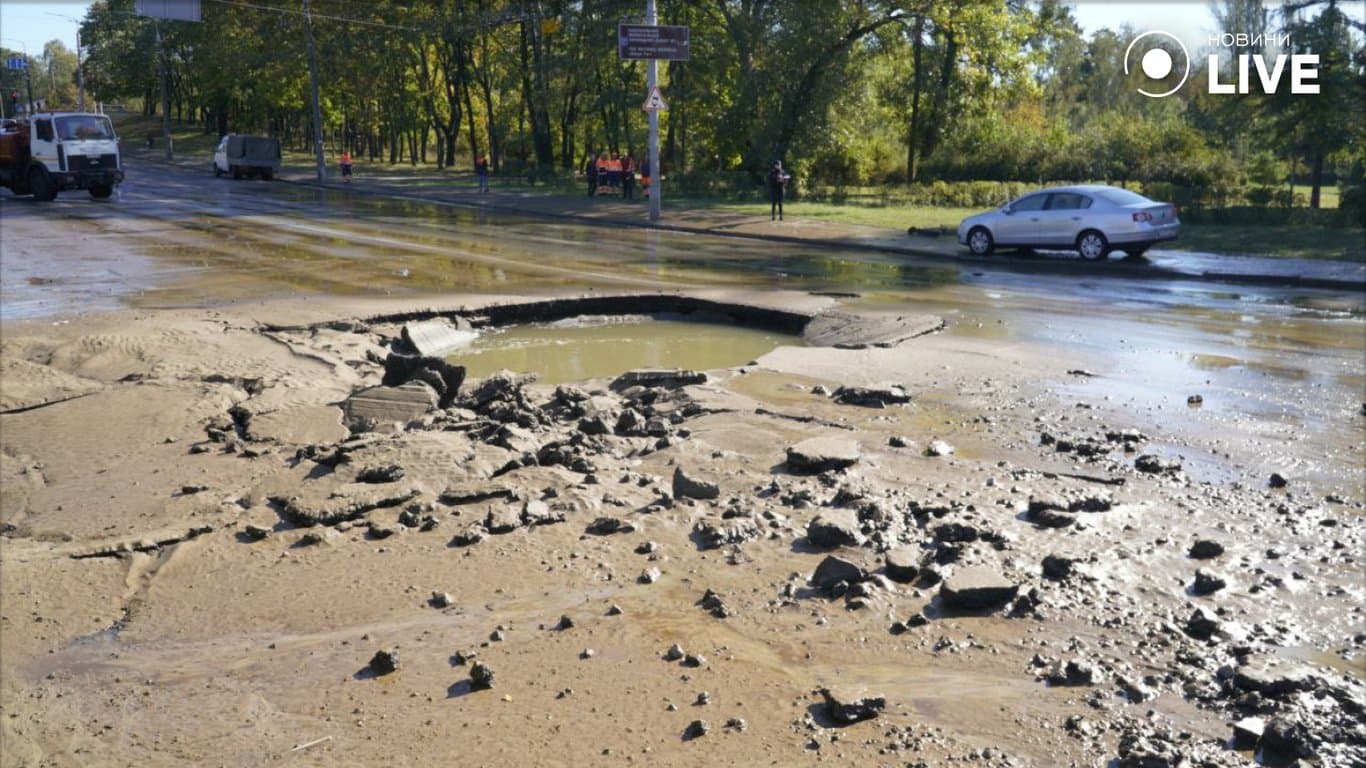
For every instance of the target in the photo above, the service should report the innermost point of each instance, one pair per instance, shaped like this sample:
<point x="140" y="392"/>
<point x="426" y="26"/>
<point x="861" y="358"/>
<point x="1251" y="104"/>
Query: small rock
<point x="674" y="653"/>
<point x="736" y="723"/>
<point x="902" y="564"/>
<point x="938" y="448"/>
<point x="614" y="610"/>
<point x="649" y="576"/>
<point x="1202" y="624"/>
<point x="587" y="653"/>
<point x="686" y="486"/>
<point x="1057" y="567"/>
<point x="835" y="528"/>
<point x="481" y="677"/>
<point x="872" y="397"/>
<point x="898" y="441"/>
<point x="694" y="660"/>
<point x="1204" y="549"/>
<point x="441" y="600"/>
<point x="564" y="623"/>
<point x="385" y="474"/>
<point x="834" y="569"/>
<point x="255" y="532"/>
<point x="703" y="699"/>
<point x="1247" y="733"/>
<point x="1207" y="582"/>
<point x="1277" y="480"/>
<point x="384" y="662"/>
<point x="606" y="526"/>
<point x="845" y="708"/>
<point x="822" y="454"/>
<point x="975" y="588"/>
<point x="1195" y="400"/>
<point x="696" y="729"/>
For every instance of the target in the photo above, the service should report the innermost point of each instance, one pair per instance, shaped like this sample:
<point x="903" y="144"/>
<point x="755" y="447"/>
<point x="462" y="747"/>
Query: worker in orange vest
<point x="345" y="162"/>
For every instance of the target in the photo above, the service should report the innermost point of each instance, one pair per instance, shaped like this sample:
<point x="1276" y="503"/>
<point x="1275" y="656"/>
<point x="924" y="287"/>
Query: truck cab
<point x="53" y="151"/>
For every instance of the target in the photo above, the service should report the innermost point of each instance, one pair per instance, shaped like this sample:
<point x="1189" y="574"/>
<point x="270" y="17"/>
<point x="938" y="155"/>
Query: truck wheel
<point x="268" y="174"/>
<point x="41" y="184"/>
<point x="237" y="172"/>
<point x="101" y="191"/>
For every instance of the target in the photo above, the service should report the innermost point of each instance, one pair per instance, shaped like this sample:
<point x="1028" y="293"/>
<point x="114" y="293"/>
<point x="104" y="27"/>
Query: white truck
<point x="52" y="151"/>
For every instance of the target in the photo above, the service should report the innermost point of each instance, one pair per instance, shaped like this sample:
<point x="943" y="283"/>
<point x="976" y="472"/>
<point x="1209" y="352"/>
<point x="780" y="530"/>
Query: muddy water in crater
<point x="587" y="348"/>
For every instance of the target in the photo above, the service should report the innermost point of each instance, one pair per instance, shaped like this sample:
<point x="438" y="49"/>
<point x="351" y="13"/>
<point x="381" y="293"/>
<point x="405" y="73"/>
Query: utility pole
<point x="317" y="107"/>
<point x="653" y="81"/>
<point x="165" y="94"/>
<point x="80" y="73"/>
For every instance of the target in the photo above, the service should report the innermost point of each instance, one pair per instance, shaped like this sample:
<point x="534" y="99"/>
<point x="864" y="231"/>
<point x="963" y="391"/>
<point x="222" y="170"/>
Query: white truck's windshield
<point x="84" y="127"/>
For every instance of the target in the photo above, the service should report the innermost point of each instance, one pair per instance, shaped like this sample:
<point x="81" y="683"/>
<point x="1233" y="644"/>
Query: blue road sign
<point x="17" y="62"/>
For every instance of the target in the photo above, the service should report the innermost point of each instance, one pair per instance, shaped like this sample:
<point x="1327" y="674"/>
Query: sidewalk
<point x="443" y="188"/>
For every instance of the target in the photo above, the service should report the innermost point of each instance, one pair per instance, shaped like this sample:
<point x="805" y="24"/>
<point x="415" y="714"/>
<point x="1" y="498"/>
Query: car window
<point x="84" y="127"/>
<point x="1031" y="203"/>
<point x="1067" y="201"/>
<point x="43" y="129"/>
<point x="1122" y="197"/>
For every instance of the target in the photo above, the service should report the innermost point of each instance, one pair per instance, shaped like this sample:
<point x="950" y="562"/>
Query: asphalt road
<point x="1281" y="363"/>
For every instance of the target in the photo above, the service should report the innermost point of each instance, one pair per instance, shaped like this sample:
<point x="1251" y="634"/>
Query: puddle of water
<point x="593" y="347"/>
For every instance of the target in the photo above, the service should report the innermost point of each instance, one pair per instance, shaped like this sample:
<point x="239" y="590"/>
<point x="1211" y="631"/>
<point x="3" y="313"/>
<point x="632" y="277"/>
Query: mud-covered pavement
<point x="1019" y="544"/>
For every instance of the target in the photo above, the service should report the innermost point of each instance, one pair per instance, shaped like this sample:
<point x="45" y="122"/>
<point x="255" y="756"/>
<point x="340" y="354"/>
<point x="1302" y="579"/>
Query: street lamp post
<point x="80" y="66"/>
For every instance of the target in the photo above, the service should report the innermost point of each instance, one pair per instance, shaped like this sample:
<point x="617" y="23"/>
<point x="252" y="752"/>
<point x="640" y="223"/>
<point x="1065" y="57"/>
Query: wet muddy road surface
<point x="196" y="531"/>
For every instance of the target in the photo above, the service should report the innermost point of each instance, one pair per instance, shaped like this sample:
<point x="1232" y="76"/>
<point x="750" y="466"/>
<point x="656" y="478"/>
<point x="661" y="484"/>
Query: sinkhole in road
<point x="596" y="346"/>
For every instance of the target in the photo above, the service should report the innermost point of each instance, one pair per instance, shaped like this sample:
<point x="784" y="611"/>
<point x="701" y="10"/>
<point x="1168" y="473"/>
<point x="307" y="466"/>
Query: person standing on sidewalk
<point x="345" y="162"/>
<point x="481" y="169"/>
<point x="777" y="180"/>
<point x="628" y="177"/>
<point x="591" y="170"/>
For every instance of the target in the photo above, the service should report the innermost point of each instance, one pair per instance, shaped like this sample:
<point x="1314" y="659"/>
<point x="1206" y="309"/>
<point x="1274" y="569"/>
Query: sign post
<point x="651" y="42"/>
<point x="173" y="10"/>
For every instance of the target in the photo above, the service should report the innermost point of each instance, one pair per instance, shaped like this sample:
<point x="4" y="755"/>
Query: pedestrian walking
<point x="591" y="171"/>
<point x="481" y="169"/>
<point x="628" y="177"/>
<point x="345" y="162"/>
<point x="777" y="180"/>
<point x="645" y="175"/>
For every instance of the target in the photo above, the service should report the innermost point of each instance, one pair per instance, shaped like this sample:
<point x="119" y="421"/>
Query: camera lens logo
<point x="1157" y="62"/>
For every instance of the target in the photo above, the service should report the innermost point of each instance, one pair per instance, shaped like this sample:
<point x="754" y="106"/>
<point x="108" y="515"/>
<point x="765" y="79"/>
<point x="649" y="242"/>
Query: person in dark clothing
<point x="592" y="172"/>
<point x="777" y="180"/>
<point x="481" y="169"/>
<point x="628" y="177"/>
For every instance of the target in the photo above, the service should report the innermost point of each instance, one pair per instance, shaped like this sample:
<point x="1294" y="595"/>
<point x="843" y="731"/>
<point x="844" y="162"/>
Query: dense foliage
<point x="847" y="92"/>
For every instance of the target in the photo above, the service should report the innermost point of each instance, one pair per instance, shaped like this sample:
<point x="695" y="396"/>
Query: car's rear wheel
<point x="101" y="191"/>
<point x="1093" y="245"/>
<point x="237" y="171"/>
<point x="980" y="242"/>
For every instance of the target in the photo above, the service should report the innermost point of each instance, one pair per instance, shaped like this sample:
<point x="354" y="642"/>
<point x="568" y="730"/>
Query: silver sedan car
<point x="1094" y="219"/>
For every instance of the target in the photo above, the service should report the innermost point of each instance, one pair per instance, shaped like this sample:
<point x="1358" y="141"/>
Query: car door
<point x="1061" y="218"/>
<point x="1019" y="222"/>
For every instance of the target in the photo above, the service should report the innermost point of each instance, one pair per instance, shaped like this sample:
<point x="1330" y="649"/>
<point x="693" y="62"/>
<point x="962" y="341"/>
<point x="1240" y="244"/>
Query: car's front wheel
<point x="1093" y="245"/>
<point x="980" y="242"/>
<point x="216" y="170"/>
